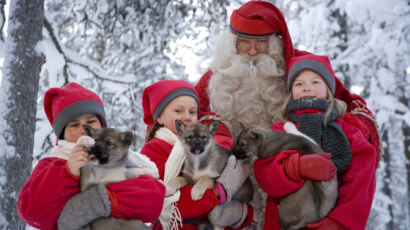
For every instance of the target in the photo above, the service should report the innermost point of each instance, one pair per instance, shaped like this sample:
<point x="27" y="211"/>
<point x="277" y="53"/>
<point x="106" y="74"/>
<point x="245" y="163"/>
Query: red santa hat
<point x="62" y="105"/>
<point x="261" y="18"/>
<point x="316" y="63"/>
<point x="158" y="95"/>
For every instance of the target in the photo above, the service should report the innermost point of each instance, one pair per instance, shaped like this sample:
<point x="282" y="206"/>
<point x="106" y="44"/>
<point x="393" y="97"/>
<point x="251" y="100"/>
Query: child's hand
<point x="77" y="159"/>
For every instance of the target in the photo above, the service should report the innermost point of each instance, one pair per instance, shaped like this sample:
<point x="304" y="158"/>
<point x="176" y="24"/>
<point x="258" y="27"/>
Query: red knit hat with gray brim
<point x="319" y="64"/>
<point x="158" y="95"/>
<point x="63" y="105"/>
<point x="260" y="19"/>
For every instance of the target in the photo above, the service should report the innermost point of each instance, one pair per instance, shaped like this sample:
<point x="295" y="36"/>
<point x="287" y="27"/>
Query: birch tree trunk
<point x="19" y="89"/>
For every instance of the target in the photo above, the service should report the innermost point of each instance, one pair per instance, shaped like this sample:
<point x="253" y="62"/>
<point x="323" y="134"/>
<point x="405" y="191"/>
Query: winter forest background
<point x="117" y="47"/>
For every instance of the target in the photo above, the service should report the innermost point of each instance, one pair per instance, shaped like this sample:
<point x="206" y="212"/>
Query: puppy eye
<point x="243" y="145"/>
<point x="189" y="138"/>
<point x="204" y="137"/>
<point x="109" y="144"/>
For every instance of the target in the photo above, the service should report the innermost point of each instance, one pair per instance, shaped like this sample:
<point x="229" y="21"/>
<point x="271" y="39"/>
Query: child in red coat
<point x="312" y="108"/>
<point x="163" y="103"/>
<point x="55" y="179"/>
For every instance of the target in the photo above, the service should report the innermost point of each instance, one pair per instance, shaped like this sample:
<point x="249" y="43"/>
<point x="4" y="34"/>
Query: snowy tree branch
<point x="2" y="18"/>
<point x="67" y="59"/>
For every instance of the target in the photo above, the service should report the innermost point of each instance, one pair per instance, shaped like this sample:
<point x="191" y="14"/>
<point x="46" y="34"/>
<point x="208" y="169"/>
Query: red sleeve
<point x="270" y="172"/>
<point x="146" y="200"/>
<point x="357" y="185"/>
<point x="202" y="87"/>
<point x="45" y="193"/>
<point x="158" y="152"/>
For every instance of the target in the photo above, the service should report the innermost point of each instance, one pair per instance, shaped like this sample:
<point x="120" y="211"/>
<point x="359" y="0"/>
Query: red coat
<point x="356" y="185"/>
<point x="51" y="185"/>
<point x="354" y="102"/>
<point x="158" y="151"/>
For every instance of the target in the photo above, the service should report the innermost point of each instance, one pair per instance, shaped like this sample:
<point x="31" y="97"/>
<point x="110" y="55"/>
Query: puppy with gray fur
<point x="110" y="162"/>
<point x="205" y="160"/>
<point x="310" y="203"/>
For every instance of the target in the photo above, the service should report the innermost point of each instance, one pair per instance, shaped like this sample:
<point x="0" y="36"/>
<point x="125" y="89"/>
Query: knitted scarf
<point x="170" y="217"/>
<point x="331" y="136"/>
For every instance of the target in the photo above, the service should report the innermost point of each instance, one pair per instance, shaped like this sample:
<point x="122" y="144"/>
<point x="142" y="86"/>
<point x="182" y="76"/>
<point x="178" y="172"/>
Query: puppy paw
<point x="86" y="142"/>
<point x="198" y="192"/>
<point x="169" y="190"/>
<point x="174" y="185"/>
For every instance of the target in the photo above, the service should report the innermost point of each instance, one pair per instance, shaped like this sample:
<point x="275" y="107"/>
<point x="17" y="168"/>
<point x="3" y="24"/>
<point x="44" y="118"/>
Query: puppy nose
<point x="103" y="159"/>
<point x="196" y="143"/>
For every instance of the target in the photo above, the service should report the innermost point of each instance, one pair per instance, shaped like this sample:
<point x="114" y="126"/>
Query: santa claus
<point x="247" y="79"/>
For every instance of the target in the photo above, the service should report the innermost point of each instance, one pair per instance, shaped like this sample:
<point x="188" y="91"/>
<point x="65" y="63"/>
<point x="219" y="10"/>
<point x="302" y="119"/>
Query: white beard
<point x="249" y="90"/>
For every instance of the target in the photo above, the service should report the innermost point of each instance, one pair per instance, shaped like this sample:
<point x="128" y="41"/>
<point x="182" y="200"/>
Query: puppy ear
<point x="179" y="125"/>
<point x="257" y="135"/>
<point x="213" y="127"/>
<point x="127" y="138"/>
<point x="89" y="130"/>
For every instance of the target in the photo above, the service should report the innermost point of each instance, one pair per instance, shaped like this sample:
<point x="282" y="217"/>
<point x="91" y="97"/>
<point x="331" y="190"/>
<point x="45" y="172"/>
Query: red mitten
<point x="136" y="198"/>
<point x="325" y="224"/>
<point x="311" y="166"/>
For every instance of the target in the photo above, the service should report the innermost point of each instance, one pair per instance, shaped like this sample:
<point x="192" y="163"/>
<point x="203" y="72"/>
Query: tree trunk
<point x="19" y="93"/>
<point x="397" y="184"/>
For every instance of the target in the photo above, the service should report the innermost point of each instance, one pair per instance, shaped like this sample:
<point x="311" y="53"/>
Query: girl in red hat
<point x="164" y="102"/>
<point x="316" y="113"/>
<point x="54" y="183"/>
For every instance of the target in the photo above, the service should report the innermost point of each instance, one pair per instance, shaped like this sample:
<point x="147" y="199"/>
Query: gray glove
<point x="85" y="207"/>
<point x="233" y="176"/>
<point x="231" y="213"/>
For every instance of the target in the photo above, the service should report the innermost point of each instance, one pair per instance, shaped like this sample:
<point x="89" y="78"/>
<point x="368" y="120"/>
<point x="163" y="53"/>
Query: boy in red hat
<point x="247" y="77"/>
<point x="313" y="109"/>
<point x="164" y="102"/>
<point x="55" y="179"/>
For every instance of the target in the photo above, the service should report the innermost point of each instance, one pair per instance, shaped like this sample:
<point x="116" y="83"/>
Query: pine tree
<point x="19" y="88"/>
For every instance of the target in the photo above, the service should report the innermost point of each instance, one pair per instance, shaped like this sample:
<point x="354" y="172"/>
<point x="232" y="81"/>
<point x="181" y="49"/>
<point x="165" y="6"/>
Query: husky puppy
<point x="205" y="160"/>
<point x="310" y="203"/>
<point x="109" y="162"/>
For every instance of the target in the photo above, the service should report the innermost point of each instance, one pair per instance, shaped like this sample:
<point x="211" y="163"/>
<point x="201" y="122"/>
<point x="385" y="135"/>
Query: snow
<point x="376" y="51"/>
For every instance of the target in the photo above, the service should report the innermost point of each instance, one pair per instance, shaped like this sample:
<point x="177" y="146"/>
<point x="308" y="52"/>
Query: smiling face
<point x="252" y="46"/>
<point x="184" y="108"/>
<point x="309" y="84"/>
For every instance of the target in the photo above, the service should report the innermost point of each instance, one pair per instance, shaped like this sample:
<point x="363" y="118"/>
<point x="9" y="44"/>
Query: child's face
<point x="74" y="129"/>
<point x="184" y="108"/>
<point x="309" y="84"/>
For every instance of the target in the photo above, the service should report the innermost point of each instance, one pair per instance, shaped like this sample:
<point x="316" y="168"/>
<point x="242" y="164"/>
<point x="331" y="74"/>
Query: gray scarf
<point x="331" y="136"/>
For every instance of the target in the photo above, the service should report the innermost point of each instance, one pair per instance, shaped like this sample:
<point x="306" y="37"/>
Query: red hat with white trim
<point x="261" y="18"/>
<point x="62" y="105"/>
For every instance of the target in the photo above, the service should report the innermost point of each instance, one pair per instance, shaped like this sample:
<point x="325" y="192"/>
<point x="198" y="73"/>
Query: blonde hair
<point x="333" y="103"/>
